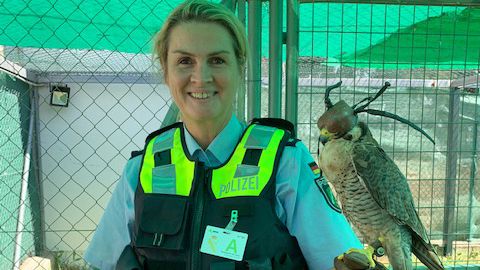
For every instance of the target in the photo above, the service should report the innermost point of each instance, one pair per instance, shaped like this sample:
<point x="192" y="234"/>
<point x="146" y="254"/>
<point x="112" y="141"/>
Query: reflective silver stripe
<point x="164" y="179"/>
<point x="163" y="142"/>
<point x="244" y="170"/>
<point x="259" y="137"/>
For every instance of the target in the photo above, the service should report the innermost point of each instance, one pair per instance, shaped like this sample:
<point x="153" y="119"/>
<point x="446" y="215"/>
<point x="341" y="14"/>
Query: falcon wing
<point x="387" y="185"/>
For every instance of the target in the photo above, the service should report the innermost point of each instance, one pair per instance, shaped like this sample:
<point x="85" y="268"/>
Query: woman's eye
<point x="217" y="61"/>
<point x="184" y="61"/>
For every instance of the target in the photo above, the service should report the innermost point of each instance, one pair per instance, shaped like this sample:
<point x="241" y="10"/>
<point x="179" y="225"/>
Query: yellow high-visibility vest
<point x="237" y="177"/>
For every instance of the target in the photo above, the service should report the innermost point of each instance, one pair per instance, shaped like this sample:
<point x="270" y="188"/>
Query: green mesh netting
<point x="14" y="120"/>
<point x="376" y="35"/>
<point x="451" y="40"/>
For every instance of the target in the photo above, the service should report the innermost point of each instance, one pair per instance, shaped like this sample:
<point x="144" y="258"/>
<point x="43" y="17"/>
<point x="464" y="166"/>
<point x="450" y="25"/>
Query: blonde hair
<point x="202" y="11"/>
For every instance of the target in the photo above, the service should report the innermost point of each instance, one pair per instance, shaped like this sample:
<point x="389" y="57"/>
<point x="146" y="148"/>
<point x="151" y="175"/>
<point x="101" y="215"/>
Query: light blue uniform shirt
<point x="321" y="232"/>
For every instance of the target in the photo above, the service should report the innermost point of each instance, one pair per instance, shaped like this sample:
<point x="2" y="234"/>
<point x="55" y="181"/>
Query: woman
<point x="210" y="192"/>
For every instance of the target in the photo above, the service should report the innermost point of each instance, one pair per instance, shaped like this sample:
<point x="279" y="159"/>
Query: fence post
<point x="230" y="4"/>
<point x="291" y="78"/>
<point x="473" y="172"/>
<point x="451" y="169"/>
<point x="40" y="241"/>
<point x="24" y="190"/>
<point x="254" y="69"/>
<point x="275" y="59"/>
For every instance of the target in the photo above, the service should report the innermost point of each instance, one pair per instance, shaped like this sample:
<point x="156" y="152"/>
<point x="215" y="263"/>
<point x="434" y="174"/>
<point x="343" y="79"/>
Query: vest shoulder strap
<point x="277" y="123"/>
<point x="162" y="130"/>
<point x="292" y="142"/>
<point x="136" y="153"/>
<point x="166" y="167"/>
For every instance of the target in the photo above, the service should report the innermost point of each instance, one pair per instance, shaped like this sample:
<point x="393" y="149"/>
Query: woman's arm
<point x="322" y="232"/>
<point x="114" y="231"/>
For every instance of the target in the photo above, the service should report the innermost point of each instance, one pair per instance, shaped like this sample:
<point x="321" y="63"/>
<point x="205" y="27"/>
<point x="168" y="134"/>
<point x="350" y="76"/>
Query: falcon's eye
<point x="324" y="132"/>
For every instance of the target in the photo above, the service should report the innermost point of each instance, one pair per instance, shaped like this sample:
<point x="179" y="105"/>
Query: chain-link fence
<point x="59" y="165"/>
<point x="81" y="152"/>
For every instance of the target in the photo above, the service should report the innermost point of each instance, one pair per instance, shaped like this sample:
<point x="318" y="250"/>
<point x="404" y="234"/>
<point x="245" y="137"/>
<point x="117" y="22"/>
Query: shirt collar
<point x="221" y="147"/>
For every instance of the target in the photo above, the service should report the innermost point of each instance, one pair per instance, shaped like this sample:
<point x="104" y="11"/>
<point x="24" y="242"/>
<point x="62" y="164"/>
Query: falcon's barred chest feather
<point x="357" y="203"/>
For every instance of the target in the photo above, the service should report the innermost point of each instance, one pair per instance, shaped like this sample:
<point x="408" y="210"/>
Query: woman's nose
<point x="202" y="74"/>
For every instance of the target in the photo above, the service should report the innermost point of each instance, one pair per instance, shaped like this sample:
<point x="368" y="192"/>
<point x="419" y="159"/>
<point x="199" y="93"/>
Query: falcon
<point x="373" y="193"/>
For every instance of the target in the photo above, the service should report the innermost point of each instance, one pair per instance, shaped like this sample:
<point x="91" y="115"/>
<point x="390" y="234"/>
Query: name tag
<point x="224" y="243"/>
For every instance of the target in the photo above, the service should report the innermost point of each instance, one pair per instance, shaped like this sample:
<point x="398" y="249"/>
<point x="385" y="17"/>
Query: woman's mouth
<point x="202" y="95"/>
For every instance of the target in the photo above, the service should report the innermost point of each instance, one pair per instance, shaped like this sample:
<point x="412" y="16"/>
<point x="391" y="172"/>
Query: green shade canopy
<point x="117" y="25"/>
<point x="360" y="35"/>
<point x="450" y="40"/>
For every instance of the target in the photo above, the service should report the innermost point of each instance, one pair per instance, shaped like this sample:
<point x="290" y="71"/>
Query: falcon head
<point x="339" y="119"/>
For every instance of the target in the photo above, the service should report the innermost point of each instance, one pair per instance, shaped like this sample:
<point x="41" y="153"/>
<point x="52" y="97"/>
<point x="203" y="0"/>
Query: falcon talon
<point x="369" y="252"/>
<point x="361" y="256"/>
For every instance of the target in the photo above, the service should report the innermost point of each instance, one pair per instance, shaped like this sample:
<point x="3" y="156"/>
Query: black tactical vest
<point x="171" y="212"/>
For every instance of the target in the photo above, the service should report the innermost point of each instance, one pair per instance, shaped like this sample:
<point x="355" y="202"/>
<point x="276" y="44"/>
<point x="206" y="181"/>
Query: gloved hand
<point x="356" y="261"/>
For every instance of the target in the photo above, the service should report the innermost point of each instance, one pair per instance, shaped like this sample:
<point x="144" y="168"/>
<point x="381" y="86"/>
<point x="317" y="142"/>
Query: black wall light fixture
<point x="59" y="95"/>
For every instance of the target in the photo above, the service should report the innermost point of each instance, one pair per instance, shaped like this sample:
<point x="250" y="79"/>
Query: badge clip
<point x="233" y="220"/>
<point x="155" y="243"/>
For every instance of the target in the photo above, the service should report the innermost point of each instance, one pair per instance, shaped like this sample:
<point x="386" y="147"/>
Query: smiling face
<point x="202" y="72"/>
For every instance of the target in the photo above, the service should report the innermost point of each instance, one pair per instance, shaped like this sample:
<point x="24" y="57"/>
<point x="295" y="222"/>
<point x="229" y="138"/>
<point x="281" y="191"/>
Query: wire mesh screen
<point x="116" y="99"/>
<point x="14" y="120"/>
<point x="430" y="54"/>
<point x="82" y="148"/>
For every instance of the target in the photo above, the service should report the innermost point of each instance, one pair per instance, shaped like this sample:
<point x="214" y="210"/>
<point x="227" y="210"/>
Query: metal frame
<point x="154" y="78"/>
<point x="372" y="82"/>
<point x="473" y="173"/>
<point x="402" y="2"/>
<point x="453" y="139"/>
<point x="275" y="59"/>
<point x="452" y="159"/>
<point x="37" y="161"/>
<point x="19" y="72"/>
<point x="27" y="159"/>
<point x="241" y="93"/>
<point x="128" y="78"/>
<point x="291" y="80"/>
<point x="254" y="76"/>
<point x="471" y="81"/>
<point x="230" y="4"/>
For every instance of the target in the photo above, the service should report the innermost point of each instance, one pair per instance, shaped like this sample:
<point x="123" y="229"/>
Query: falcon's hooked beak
<point x="325" y="136"/>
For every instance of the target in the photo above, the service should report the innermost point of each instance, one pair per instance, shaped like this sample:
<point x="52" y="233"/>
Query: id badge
<point x="224" y="243"/>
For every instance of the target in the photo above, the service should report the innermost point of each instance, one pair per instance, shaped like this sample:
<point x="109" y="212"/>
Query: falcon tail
<point x="426" y="254"/>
